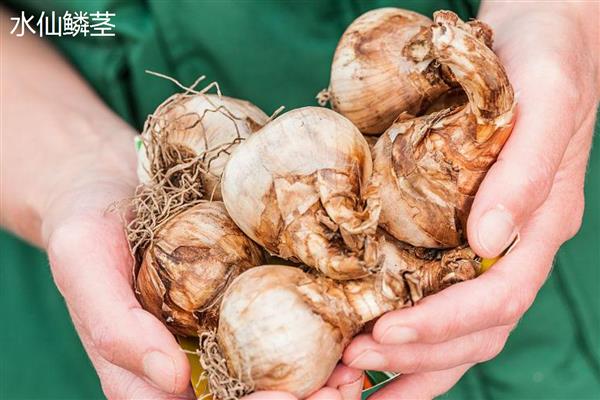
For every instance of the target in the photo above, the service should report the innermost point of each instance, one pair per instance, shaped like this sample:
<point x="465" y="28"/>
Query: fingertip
<point x="163" y="361"/>
<point x="394" y="329"/>
<point x="343" y="375"/>
<point x="490" y="233"/>
<point x="359" y="345"/>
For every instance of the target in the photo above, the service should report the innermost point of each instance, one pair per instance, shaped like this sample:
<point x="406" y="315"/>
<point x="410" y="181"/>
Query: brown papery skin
<point x="372" y="80"/>
<point x="188" y="265"/>
<point x="300" y="188"/>
<point x="283" y="329"/>
<point x="430" y="167"/>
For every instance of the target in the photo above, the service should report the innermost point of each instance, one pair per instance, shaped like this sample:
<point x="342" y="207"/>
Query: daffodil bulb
<point x="431" y="166"/>
<point x="195" y="133"/>
<point x="188" y="265"/>
<point x="281" y="328"/>
<point x="372" y="79"/>
<point x="300" y="188"/>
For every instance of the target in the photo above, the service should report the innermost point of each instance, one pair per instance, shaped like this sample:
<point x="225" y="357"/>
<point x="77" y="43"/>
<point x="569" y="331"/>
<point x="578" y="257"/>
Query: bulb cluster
<point x="369" y="223"/>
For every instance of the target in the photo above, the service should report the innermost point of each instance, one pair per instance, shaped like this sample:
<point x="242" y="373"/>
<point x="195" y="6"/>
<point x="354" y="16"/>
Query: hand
<point x="535" y="190"/>
<point x="65" y="159"/>
<point x="134" y="354"/>
<point x="344" y="384"/>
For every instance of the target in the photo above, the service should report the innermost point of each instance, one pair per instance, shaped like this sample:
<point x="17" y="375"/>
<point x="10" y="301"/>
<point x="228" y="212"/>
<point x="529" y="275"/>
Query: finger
<point x="365" y="353"/>
<point x="498" y="297"/>
<point x="348" y="381"/>
<point x="122" y="384"/>
<point x="91" y="266"/>
<point x="118" y="383"/>
<point x="566" y="198"/>
<point x="521" y="179"/>
<point x="426" y="385"/>
<point x="343" y="375"/>
<point x="269" y="395"/>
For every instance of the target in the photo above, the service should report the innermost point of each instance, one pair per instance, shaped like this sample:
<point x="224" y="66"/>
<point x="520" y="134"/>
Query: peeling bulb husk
<point x="431" y="166"/>
<point x="301" y="187"/>
<point x="187" y="267"/>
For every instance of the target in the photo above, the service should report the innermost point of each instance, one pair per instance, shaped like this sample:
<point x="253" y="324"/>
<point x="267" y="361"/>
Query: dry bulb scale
<point x="185" y="245"/>
<point x="368" y="224"/>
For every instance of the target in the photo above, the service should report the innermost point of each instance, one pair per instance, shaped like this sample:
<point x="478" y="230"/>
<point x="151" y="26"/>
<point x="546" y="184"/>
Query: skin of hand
<point x="535" y="189"/>
<point x="66" y="158"/>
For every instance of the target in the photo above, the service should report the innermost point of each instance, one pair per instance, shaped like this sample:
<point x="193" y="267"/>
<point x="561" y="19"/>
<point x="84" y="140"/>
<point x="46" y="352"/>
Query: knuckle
<point x="59" y="248"/>
<point x="69" y="230"/>
<point x="558" y="76"/>
<point x="535" y="185"/>
<point x="68" y="240"/>
<point x="537" y="181"/>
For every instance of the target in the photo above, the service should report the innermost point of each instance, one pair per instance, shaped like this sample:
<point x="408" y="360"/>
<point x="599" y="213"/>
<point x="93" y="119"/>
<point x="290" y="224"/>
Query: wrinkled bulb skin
<point x="283" y="329"/>
<point x="431" y="166"/>
<point x="198" y="126"/>
<point x="300" y="188"/>
<point x="192" y="259"/>
<point x="372" y="80"/>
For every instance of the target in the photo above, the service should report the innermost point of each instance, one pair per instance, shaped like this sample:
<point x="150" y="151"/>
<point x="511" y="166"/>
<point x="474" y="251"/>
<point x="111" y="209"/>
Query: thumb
<point x="521" y="179"/>
<point x="91" y="266"/>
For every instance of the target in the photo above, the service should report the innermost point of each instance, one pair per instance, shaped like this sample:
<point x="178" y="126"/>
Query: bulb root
<point x="221" y="384"/>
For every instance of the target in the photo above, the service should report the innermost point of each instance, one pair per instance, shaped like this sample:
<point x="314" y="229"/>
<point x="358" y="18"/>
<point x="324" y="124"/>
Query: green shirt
<point x="272" y="53"/>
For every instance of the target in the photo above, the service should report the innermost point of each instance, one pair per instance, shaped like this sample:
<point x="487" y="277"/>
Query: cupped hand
<point x="134" y="355"/>
<point x="534" y="191"/>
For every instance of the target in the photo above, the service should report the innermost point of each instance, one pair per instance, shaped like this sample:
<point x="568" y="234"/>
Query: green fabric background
<point x="272" y="53"/>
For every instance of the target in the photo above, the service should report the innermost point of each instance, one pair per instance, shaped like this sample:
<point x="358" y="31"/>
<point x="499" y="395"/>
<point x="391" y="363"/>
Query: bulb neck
<point x="463" y="51"/>
<point x="408" y="274"/>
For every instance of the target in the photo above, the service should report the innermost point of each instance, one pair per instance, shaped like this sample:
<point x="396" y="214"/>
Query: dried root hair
<point x="221" y="384"/>
<point x="175" y="175"/>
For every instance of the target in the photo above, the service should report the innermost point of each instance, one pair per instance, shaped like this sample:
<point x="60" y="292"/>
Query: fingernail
<point x="496" y="231"/>
<point x="352" y="391"/>
<point x="398" y="335"/>
<point x="368" y="360"/>
<point x="160" y="369"/>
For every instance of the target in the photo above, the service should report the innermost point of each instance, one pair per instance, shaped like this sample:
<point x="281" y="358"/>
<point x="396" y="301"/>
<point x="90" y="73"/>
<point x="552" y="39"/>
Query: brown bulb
<point x="372" y="79"/>
<point x="430" y="167"/>
<point x="190" y="263"/>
